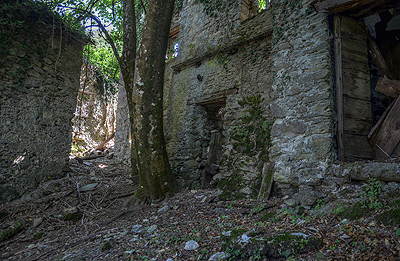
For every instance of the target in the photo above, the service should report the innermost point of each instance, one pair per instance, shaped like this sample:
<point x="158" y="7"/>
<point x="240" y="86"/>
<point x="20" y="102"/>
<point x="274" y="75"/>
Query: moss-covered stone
<point x="355" y="211"/>
<point x="390" y="217"/>
<point x="280" y="245"/>
<point x="73" y="217"/>
<point x="38" y="235"/>
<point x="230" y="188"/>
<point x="12" y="230"/>
<point x="106" y="245"/>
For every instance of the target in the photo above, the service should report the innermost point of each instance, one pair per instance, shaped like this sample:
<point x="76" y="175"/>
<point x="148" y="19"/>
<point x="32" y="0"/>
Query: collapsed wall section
<point x="40" y="65"/>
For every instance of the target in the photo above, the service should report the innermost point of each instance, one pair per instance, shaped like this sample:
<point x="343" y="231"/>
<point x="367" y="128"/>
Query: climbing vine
<point x="213" y="8"/>
<point x="285" y="19"/>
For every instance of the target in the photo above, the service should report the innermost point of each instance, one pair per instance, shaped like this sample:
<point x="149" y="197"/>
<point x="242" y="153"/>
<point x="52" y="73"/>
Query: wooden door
<point x="352" y="82"/>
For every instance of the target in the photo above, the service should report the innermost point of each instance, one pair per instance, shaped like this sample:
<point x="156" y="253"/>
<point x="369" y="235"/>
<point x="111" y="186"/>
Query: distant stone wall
<point x="38" y="87"/>
<point x="302" y="106"/>
<point x="94" y="119"/>
<point x="122" y="140"/>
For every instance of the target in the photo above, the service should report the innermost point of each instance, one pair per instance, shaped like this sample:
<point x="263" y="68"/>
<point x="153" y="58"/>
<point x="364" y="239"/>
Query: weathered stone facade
<point x="39" y="69"/>
<point x="267" y="86"/>
<point x="302" y="106"/>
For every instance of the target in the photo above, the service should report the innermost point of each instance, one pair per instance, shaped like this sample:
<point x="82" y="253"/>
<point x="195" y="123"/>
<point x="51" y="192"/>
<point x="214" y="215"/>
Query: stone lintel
<point x="217" y="98"/>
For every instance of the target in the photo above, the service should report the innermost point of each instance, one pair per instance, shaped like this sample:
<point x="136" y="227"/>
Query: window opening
<point x="173" y="45"/>
<point x="252" y="7"/>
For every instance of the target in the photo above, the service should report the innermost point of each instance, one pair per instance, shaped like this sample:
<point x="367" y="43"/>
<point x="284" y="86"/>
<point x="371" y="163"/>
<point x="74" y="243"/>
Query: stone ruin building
<point x="303" y="92"/>
<point x="40" y="64"/>
<point x="289" y="92"/>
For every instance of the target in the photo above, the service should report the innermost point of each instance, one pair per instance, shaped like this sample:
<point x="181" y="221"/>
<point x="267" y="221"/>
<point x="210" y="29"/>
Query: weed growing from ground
<point x="370" y="195"/>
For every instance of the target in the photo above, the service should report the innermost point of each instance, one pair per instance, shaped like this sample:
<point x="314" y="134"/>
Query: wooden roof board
<point x="356" y="8"/>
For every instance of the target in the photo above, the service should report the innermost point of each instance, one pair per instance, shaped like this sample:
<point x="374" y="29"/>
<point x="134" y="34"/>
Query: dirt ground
<point x="79" y="217"/>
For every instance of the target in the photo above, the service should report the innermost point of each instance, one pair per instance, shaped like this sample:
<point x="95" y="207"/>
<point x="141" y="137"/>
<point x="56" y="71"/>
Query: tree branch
<point x="102" y="28"/>
<point x="144" y="8"/>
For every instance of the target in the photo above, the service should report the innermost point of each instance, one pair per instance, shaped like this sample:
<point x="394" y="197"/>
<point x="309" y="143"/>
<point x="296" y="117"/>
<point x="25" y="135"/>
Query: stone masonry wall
<point x="38" y="87"/>
<point x="287" y="76"/>
<point x="211" y="63"/>
<point x="302" y="135"/>
<point x="122" y="139"/>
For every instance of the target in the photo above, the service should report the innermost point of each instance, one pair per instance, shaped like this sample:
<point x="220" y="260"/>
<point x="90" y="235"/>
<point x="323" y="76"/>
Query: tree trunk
<point x="155" y="176"/>
<point x="127" y="66"/>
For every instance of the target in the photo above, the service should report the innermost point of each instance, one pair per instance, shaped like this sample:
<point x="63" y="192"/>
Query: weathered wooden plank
<point x="352" y="30"/>
<point x="378" y="59"/>
<point x="354" y="46"/>
<point x="327" y="4"/>
<point x="356" y="74"/>
<point x="357" y="147"/>
<point x="355" y="87"/>
<point x="357" y="57"/>
<point x="388" y="135"/>
<point x="361" y="67"/>
<point x="388" y="87"/>
<point x="357" y="109"/>
<point x="356" y="8"/>
<point x="339" y="84"/>
<point x="378" y="125"/>
<point x="356" y="126"/>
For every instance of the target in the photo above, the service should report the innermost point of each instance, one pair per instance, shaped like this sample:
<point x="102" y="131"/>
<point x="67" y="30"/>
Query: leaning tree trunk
<point x="155" y="176"/>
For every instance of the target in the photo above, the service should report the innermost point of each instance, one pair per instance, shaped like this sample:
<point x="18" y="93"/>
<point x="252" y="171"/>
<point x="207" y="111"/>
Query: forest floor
<point x="94" y="192"/>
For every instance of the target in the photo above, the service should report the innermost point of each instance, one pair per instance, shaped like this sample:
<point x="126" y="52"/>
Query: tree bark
<point x="155" y="176"/>
<point x="127" y="66"/>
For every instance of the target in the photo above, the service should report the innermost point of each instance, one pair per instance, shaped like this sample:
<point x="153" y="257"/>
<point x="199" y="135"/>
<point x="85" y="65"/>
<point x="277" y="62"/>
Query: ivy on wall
<point x="285" y="22"/>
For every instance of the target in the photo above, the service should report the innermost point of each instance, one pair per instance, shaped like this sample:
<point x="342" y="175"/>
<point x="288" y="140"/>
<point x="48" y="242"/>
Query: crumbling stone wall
<point x="219" y="64"/>
<point x="40" y="64"/>
<point x="302" y="135"/>
<point x="287" y="74"/>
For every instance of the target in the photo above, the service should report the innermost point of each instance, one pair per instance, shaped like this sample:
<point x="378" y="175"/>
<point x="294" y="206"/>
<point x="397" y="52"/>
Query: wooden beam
<point x="378" y="125"/>
<point x="388" y="135"/>
<point x="356" y="8"/>
<point x="378" y="59"/>
<point x="329" y="4"/>
<point x="388" y="87"/>
<point x="337" y="20"/>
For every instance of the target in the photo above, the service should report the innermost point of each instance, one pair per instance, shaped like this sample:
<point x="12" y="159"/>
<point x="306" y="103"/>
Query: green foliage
<point x="370" y="195"/>
<point x="258" y="209"/>
<point x="101" y="56"/>
<point x="253" y="136"/>
<point x="284" y="14"/>
<point x="340" y="209"/>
